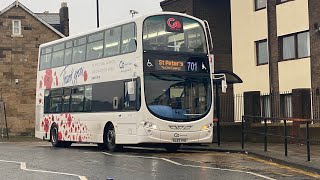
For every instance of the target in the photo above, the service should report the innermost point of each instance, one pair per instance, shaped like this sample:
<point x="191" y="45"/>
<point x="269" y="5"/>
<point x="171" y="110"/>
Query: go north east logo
<point x="174" y="24"/>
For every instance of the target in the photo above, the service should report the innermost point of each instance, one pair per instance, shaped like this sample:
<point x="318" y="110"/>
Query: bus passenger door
<point x="127" y="120"/>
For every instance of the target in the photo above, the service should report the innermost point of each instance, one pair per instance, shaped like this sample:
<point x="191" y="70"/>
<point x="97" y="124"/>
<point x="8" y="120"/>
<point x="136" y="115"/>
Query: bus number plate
<point x="179" y="140"/>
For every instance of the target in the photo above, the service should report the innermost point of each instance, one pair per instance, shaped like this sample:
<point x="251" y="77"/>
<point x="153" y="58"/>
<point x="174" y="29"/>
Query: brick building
<point x="21" y="33"/>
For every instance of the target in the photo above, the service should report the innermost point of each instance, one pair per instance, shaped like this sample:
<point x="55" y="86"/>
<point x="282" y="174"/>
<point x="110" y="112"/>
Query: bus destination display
<point x="174" y="65"/>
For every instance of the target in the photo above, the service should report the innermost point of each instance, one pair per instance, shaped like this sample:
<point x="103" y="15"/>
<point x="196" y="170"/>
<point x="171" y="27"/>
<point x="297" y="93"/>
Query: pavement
<point x="297" y="153"/>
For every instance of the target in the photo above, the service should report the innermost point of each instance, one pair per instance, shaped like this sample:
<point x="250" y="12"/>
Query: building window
<point x="260" y="4"/>
<point x="303" y="44"/>
<point x="295" y="46"/>
<point x="16" y="27"/>
<point x="286" y="105"/>
<point x="262" y="52"/>
<point x="265" y="102"/>
<point x="283" y="1"/>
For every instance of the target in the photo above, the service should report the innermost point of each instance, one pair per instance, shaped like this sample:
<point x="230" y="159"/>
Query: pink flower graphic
<point x="48" y="79"/>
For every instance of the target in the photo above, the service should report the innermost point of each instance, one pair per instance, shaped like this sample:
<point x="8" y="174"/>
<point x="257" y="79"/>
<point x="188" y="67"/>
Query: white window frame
<point x="13" y="27"/>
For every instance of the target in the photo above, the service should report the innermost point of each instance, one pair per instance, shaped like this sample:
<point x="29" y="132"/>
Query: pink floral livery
<point x="48" y="79"/>
<point x="69" y="128"/>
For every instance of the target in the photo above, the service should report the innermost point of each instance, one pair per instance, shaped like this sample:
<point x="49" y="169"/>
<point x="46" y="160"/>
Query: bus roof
<point x="134" y="19"/>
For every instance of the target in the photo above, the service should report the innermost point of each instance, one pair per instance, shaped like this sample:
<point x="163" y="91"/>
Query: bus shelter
<point x="231" y="79"/>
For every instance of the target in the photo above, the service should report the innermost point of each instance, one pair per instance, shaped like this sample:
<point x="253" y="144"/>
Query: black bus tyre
<point x="171" y="148"/>
<point x="55" y="140"/>
<point x="66" y="144"/>
<point x="54" y="136"/>
<point x="110" y="140"/>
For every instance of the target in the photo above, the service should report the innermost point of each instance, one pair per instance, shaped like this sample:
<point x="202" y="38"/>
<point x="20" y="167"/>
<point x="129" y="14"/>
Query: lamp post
<point x="133" y="12"/>
<point x="97" y="13"/>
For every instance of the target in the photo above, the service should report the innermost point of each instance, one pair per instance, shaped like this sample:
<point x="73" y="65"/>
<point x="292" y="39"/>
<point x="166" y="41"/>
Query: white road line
<point x="231" y="170"/>
<point x="23" y="166"/>
<point x="185" y="165"/>
<point x="173" y="162"/>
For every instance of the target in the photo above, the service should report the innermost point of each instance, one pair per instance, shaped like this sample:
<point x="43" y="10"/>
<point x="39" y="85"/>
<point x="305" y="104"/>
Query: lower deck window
<point x="93" y="98"/>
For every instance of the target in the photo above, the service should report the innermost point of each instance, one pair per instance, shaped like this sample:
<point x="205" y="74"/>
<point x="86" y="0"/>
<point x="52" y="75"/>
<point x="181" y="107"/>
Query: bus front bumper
<point x="146" y="135"/>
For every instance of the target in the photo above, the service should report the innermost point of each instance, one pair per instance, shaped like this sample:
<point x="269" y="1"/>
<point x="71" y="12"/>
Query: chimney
<point x="64" y="19"/>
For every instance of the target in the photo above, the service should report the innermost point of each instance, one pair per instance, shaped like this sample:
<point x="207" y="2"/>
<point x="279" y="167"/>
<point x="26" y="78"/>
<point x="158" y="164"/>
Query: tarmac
<point x="297" y="153"/>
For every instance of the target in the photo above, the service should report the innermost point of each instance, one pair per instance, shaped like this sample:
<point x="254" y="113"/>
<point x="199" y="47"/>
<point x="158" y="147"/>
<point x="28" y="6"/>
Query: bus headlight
<point x="207" y="127"/>
<point x="149" y="125"/>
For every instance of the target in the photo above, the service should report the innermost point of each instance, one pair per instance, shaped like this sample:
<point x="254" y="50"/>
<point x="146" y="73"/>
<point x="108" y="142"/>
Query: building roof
<point x="18" y="4"/>
<point x="50" y="18"/>
<point x="166" y="2"/>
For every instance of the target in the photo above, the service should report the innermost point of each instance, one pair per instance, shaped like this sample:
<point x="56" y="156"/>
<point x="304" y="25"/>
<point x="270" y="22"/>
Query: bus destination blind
<point x="174" y="65"/>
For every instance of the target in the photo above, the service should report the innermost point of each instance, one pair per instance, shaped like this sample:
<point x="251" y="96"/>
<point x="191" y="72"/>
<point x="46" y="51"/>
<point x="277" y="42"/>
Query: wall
<point x="18" y="60"/>
<point x="248" y="26"/>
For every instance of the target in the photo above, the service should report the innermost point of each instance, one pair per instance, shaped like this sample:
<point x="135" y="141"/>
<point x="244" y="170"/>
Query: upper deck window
<point x="95" y="46"/>
<point x="79" y="50"/>
<point x="112" y="41"/>
<point x="58" y="55"/>
<point x="173" y="33"/>
<point x="129" y="43"/>
<point x="45" y="61"/>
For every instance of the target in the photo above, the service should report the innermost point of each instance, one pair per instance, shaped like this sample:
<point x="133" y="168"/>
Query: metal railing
<point x="285" y="136"/>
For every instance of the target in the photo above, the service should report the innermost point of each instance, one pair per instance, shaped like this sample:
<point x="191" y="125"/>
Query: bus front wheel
<point x="110" y="140"/>
<point x="171" y="147"/>
<point x="55" y="138"/>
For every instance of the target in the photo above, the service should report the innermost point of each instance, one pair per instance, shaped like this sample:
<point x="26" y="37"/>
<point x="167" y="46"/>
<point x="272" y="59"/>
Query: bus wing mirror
<point x="131" y="88"/>
<point x="223" y="79"/>
<point x="224" y="86"/>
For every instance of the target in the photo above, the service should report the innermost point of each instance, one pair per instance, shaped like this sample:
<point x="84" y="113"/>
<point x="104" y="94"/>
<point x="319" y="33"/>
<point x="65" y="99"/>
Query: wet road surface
<point x="38" y="160"/>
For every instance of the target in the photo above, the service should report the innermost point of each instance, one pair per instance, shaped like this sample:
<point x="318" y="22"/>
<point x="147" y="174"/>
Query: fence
<point x="246" y="120"/>
<point x="300" y="103"/>
<point x="232" y="106"/>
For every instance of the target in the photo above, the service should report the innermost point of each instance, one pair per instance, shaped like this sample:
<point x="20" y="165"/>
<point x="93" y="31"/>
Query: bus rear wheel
<point x="171" y="148"/>
<point x="55" y="138"/>
<point x="110" y="140"/>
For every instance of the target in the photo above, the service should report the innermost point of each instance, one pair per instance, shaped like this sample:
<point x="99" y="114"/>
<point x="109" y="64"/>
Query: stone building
<point x="21" y="33"/>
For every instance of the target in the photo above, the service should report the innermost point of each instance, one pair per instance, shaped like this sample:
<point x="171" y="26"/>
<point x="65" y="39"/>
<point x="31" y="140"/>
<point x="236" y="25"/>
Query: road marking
<point x="185" y="165"/>
<point x="310" y="174"/>
<point x="170" y="161"/>
<point x="23" y="166"/>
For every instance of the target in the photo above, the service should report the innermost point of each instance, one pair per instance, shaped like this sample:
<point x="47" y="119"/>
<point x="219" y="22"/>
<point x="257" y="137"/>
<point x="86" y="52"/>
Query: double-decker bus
<point x="144" y="80"/>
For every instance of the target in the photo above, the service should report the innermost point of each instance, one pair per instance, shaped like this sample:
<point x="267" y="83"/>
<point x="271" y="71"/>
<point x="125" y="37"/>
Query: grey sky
<point x="83" y="12"/>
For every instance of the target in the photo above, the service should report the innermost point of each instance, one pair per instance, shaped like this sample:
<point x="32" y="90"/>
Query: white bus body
<point x="83" y="99"/>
